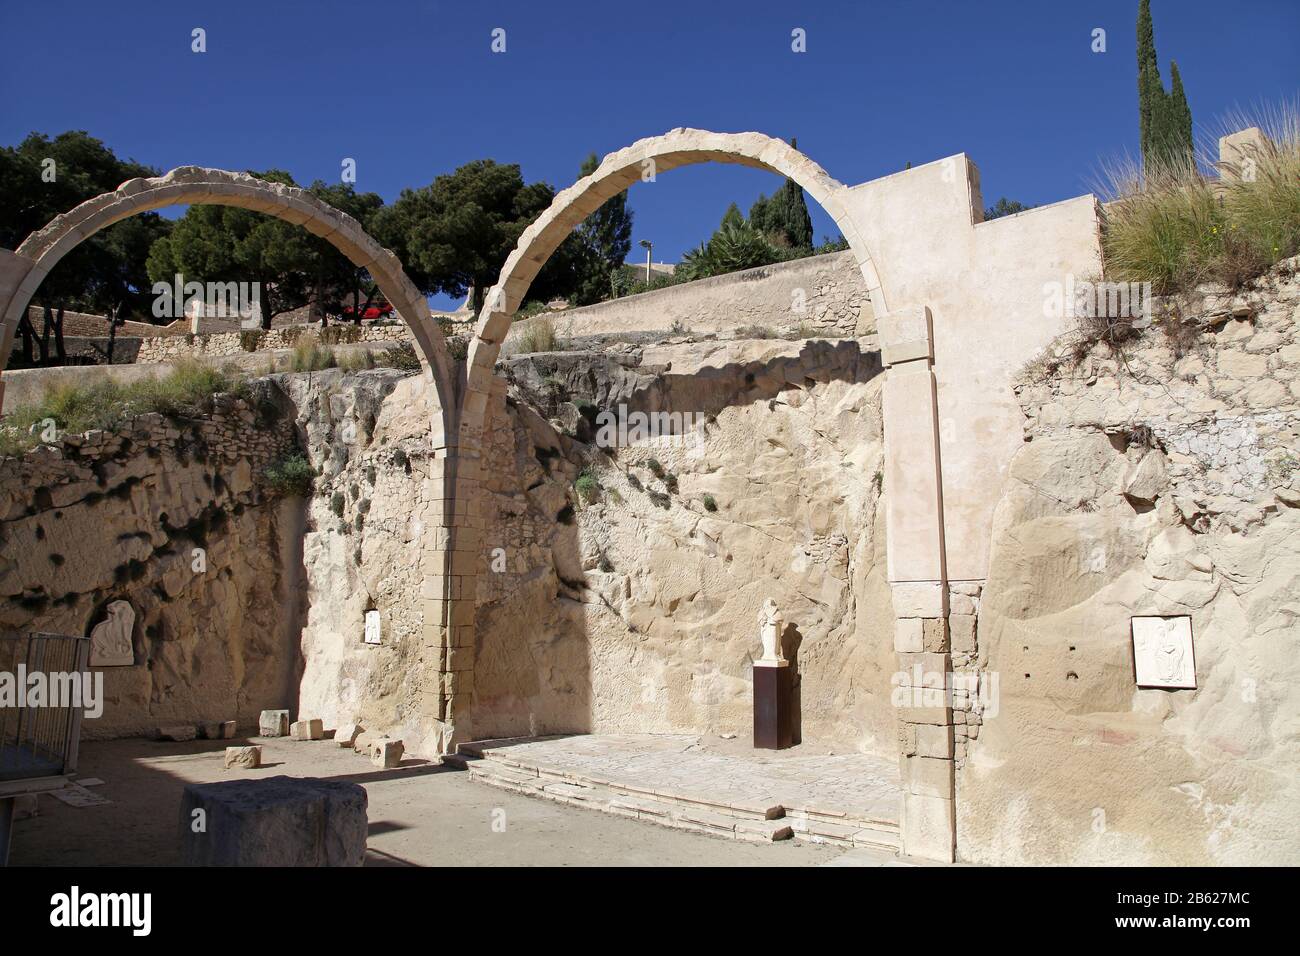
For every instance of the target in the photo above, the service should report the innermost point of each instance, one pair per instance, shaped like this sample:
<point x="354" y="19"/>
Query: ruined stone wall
<point x="169" y="348"/>
<point x="1151" y="483"/>
<point x="118" y="516"/>
<point x="825" y="294"/>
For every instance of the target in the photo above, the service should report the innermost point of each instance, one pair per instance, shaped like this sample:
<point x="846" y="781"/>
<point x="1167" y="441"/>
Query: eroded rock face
<point x="616" y="614"/>
<point x="634" y="611"/>
<point x="169" y="518"/>
<point x="1155" y="486"/>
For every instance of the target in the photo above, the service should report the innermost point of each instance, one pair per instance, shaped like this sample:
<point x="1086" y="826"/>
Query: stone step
<point x="739" y="820"/>
<point x="737" y="808"/>
<point x="850" y="834"/>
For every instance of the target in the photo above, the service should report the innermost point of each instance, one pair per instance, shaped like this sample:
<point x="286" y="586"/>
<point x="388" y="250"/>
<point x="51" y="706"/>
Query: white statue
<point x="110" y="640"/>
<point x="769" y="632"/>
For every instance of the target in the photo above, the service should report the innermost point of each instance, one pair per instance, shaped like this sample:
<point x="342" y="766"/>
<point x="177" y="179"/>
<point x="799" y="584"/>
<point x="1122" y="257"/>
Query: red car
<point x="376" y="310"/>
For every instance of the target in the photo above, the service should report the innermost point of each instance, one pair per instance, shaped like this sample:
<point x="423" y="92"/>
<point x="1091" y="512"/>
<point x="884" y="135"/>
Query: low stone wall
<point x="89" y="325"/>
<point x="220" y="344"/>
<point x="825" y="294"/>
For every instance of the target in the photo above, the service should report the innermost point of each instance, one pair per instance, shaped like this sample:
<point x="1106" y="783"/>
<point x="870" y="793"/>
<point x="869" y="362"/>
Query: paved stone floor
<point x="420" y="815"/>
<point x="803" y="777"/>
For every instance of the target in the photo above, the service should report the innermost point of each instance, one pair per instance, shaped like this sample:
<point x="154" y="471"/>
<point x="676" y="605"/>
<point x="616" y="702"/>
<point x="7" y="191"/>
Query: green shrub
<point x="458" y="347"/>
<point x="1175" y="228"/>
<point x="587" y="486"/>
<point x="309" y="356"/>
<point x="755" y="332"/>
<point x="710" y="504"/>
<point x="251" y="339"/>
<point x="340" y="334"/>
<point x="401" y="356"/>
<point x="357" y="360"/>
<point x="655" y="467"/>
<point x="660" y="499"/>
<point x="530" y="309"/>
<point x="537" y="336"/>
<point x="291" y="475"/>
<point x="186" y="390"/>
<point x="337" y="502"/>
<point x="670" y="482"/>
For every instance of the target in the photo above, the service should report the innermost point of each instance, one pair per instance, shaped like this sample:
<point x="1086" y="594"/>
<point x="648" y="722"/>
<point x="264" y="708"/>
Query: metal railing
<point x="41" y="740"/>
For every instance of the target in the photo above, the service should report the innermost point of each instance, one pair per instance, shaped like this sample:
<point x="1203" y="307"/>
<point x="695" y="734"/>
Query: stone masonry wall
<point x="825" y="294"/>
<point x="221" y="344"/>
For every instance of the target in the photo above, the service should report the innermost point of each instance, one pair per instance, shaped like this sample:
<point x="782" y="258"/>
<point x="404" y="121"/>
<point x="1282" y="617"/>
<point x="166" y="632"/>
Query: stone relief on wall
<point x="372" y="627"/>
<point x="110" y="639"/>
<point x="1162" y="652"/>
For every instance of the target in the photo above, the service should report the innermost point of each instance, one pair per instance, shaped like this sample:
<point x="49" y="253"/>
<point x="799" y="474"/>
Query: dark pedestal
<point x="773" y="712"/>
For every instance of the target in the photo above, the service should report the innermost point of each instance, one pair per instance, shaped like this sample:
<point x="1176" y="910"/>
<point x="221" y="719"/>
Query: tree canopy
<point x="454" y="235"/>
<point x="43" y="177"/>
<point x="292" y="267"/>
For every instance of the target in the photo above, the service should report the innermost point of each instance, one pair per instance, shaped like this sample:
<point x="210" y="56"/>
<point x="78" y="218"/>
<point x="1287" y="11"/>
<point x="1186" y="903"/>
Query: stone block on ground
<point x="364" y="741"/>
<point x="178" y="732"/>
<point x="277" y="821"/>
<point x="217" y="730"/>
<point x="308" y="729"/>
<point x="346" y="735"/>
<point x="25" y="806"/>
<point x="243" y="758"/>
<point x="387" y="753"/>
<point x="273" y="723"/>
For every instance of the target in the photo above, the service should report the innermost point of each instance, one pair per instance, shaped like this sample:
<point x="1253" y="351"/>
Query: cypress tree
<point x="1178" y="118"/>
<point x="1150" y="90"/>
<point x="1164" y="119"/>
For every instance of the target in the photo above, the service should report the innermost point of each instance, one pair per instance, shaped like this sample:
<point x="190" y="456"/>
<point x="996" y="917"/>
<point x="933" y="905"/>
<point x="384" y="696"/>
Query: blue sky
<point x="411" y="90"/>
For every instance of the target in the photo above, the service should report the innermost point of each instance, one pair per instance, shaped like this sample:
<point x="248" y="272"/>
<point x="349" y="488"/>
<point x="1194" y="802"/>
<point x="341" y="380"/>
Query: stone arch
<point x="193" y="185"/>
<point x="618" y="171"/>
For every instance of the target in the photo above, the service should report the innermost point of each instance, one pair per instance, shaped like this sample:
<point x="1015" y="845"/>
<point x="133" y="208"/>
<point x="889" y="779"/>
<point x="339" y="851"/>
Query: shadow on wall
<point x="580" y="630"/>
<point x="163" y="526"/>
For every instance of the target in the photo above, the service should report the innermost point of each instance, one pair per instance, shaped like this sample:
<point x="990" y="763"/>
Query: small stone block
<point x="313" y="729"/>
<point x="273" y="723"/>
<point x="387" y="753"/>
<point x="244" y="758"/>
<point x="347" y="734"/>
<point x="217" y="730"/>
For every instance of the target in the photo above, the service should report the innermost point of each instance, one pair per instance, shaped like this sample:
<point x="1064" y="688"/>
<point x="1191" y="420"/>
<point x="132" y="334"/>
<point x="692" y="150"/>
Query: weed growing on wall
<point x="77" y="408"/>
